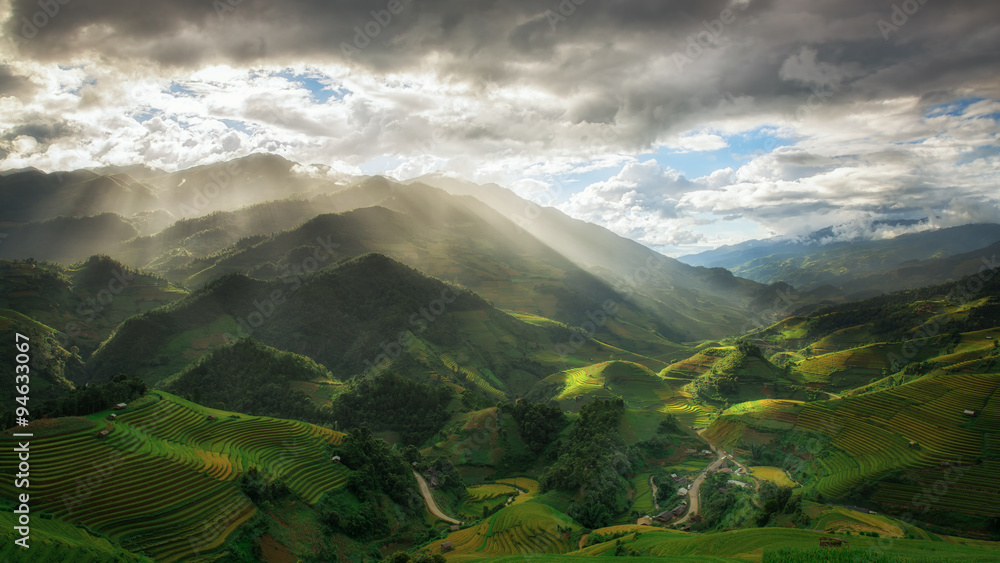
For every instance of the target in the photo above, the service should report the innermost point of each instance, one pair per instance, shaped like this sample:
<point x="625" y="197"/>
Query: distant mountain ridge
<point x="853" y="266"/>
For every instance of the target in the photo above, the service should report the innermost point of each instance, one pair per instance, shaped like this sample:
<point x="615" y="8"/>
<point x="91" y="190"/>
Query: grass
<point x="526" y="528"/>
<point x="775" y="475"/>
<point x="755" y="544"/>
<point x="869" y="435"/>
<point x="194" y="462"/>
<point x="53" y="540"/>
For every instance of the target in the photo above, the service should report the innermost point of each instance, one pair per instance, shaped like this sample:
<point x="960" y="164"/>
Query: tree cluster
<point x="259" y="488"/>
<point x="594" y="462"/>
<point x="387" y="401"/>
<point x="93" y="398"/>
<point x="252" y="378"/>
<point x="538" y="423"/>
<point x="376" y="467"/>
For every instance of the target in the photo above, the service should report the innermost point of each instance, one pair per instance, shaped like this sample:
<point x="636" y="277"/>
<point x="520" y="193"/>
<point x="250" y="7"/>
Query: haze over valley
<point x="438" y="281"/>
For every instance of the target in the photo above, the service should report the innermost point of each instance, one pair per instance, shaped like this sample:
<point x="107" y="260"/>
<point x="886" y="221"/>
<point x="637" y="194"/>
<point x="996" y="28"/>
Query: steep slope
<point x="32" y="195"/>
<point x="83" y="303"/>
<point x="257" y="379"/>
<point x="66" y="239"/>
<point x="612" y="257"/>
<point x="461" y="240"/>
<point x="167" y="480"/>
<point x="367" y="313"/>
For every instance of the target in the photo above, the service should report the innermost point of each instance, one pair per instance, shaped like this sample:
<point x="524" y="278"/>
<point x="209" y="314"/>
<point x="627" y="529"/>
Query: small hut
<point x="832" y="542"/>
<point x="446" y="547"/>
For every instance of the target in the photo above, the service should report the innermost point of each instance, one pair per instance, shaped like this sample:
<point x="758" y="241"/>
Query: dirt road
<point x="429" y="499"/>
<point x="652" y="488"/>
<point x="696" y="486"/>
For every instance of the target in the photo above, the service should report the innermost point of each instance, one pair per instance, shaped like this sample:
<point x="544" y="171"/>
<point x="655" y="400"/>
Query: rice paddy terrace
<point x="522" y="528"/>
<point x="656" y="544"/>
<point x="194" y="455"/>
<point x="921" y="426"/>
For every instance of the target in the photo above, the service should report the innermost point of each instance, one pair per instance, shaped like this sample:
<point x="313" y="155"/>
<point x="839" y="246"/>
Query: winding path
<point x="429" y="500"/>
<point x="653" y="489"/>
<point x="696" y="485"/>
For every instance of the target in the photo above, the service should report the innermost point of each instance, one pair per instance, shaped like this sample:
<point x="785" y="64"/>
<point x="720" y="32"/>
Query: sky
<point x="684" y="125"/>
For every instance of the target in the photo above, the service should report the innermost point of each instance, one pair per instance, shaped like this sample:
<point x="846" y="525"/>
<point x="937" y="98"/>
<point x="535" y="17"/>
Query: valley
<point x="407" y="371"/>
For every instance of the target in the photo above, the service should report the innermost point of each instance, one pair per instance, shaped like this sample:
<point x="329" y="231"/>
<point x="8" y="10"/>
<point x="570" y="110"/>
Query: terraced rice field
<point x="518" y="529"/>
<point x="696" y="365"/>
<point x="477" y="378"/>
<point x="842" y="339"/>
<point x="839" y="519"/>
<point x="848" y="368"/>
<point x="52" y="540"/>
<point x="775" y="475"/>
<point x="104" y="483"/>
<point x="967" y="489"/>
<point x="871" y="434"/>
<point x="640" y="388"/>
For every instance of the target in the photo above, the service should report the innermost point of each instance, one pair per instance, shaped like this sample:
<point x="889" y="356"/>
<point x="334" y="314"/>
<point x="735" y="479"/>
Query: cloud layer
<point x="885" y="108"/>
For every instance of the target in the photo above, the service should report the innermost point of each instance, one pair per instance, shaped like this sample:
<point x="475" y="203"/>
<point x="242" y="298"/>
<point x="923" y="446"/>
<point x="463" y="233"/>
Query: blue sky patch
<point x="320" y="91"/>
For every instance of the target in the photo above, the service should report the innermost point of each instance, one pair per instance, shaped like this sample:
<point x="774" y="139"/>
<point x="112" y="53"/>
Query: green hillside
<point x="195" y="453"/>
<point x="364" y="314"/>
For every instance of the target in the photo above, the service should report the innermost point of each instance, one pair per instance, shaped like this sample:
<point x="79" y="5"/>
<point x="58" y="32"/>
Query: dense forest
<point x="594" y="462"/>
<point x="252" y="378"/>
<point x="538" y="424"/>
<point x="387" y="401"/>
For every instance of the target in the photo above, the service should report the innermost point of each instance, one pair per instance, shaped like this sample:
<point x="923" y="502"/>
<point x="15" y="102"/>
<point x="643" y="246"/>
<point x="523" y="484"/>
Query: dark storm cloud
<point x="43" y="132"/>
<point x="605" y="47"/>
<point x="13" y="84"/>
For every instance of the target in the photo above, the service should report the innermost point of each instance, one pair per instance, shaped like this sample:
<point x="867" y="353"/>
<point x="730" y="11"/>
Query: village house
<point x="832" y="542"/>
